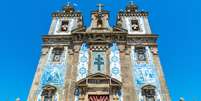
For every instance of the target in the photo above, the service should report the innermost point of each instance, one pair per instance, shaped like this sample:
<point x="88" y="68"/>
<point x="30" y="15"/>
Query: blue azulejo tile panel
<point x="54" y="72"/>
<point x="144" y="73"/>
<point x="83" y="62"/>
<point x="115" y="69"/>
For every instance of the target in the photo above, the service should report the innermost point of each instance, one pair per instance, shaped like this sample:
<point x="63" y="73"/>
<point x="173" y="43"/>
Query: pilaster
<point x="36" y="82"/>
<point x="129" y="93"/>
<point x="164" y="89"/>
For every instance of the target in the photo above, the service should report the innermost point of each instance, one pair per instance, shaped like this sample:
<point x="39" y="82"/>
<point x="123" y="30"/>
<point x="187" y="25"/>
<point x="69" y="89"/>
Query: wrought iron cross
<point x="99" y="61"/>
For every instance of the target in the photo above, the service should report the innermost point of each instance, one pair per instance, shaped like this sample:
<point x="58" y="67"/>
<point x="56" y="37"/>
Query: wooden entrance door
<point x="98" y="97"/>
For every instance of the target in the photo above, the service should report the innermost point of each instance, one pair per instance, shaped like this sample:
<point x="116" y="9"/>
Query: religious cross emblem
<point x="100" y="7"/>
<point x="131" y="2"/>
<point x="99" y="61"/>
<point x="100" y="15"/>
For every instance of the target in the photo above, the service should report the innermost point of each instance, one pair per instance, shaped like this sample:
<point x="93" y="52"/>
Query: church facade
<point x="99" y="62"/>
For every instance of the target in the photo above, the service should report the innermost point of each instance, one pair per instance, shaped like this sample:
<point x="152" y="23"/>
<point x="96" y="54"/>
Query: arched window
<point x="148" y="92"/>
<point x="48" y="93"/>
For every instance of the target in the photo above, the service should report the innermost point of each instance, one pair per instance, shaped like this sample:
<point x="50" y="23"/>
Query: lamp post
<point x="18" y="99"/>
<point x="181" y="99"/>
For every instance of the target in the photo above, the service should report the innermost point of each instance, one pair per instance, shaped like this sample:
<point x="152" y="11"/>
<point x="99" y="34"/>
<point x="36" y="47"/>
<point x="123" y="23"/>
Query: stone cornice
<point x="142" y="13"/>
<point x="63" y="14"/>
<point x="101" y="38"/>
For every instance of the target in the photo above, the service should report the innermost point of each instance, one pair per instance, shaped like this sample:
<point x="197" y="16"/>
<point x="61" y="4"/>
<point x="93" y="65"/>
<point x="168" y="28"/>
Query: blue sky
<point x="23" y="22"/>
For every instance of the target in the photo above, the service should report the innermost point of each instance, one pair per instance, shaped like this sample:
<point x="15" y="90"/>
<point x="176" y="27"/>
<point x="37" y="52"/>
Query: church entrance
<point x="98" y="87"/>
<point x="98" y="97"/>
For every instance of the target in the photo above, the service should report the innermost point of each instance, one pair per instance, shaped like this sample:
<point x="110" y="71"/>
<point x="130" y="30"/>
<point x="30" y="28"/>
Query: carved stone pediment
<point x="100" y="80"/>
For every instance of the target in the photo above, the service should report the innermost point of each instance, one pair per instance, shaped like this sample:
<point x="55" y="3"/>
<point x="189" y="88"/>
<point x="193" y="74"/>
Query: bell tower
<point x="146" y="76"/>
<point x="53" y="81"/>
<point x="133" y="20"/>
<point x="99" y="62"/>
<point x="66" y="21"/>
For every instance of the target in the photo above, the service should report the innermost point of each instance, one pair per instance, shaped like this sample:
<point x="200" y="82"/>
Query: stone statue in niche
<point x="99" y="21"/>
<point x="79" y="22"/>
<point x="119" y="22"/>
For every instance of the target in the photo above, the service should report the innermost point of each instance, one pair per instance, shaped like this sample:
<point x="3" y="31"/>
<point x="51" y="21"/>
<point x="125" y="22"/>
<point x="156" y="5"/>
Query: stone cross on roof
<point x="100" y="6"/>
<point x="68" y="3"/>
<point x="131" y="2"/>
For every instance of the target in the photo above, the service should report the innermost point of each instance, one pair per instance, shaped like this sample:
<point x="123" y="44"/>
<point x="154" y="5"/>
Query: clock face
<point x="141" y="57"/>
<point x="57" y="58"/>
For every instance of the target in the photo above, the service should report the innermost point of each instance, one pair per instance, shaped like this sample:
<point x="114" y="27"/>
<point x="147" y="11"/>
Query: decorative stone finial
<point x="69" y="8"/>
<point x="131" y="7"/>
